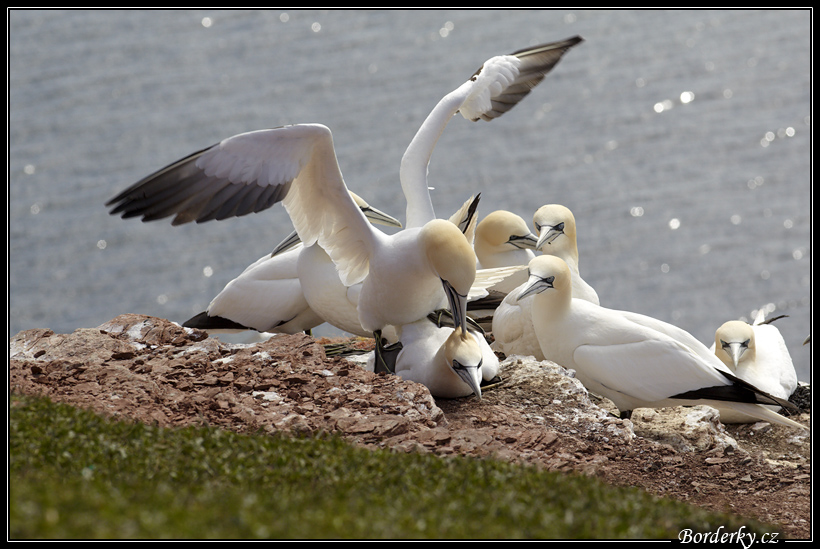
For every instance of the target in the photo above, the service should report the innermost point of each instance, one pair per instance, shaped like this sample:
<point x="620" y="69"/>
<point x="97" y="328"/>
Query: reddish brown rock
<point x="155" y="371"/>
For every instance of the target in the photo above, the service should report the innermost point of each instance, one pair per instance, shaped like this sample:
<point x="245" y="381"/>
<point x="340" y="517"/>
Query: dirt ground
<point x="151" y="370"/>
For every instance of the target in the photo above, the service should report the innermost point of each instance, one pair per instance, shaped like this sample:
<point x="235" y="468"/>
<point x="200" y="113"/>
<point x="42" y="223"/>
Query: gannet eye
<point x="559" y="227"/>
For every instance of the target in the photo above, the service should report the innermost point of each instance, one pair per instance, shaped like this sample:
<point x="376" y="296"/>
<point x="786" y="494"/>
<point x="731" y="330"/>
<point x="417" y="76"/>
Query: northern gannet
<point x="758" y="354"/>
<point x="627" y="362"/>
<point x="273" y="293"/>
<point x="503" y="239"/>
<point x="558" y="235"/>
<point x="512" y="322"/>
<point x="404" y="276"/>
<point x="451" y="363"/>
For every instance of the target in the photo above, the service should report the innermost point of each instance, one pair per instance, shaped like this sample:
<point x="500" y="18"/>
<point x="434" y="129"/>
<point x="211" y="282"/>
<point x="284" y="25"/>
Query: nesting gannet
<point x="627" y="362"/>
<point x="451" y="363"/>
<point x="427" y="265"/>
<point x="758" y="354"/>
<point x="270" y="294"/>
<point x="512" y="322"/>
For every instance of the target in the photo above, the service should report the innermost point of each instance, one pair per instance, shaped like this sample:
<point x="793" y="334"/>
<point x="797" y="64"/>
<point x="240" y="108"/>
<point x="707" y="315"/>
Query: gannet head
<point x="464" y="356"/>
<point x="548" y="272"/>
<point x="734" y="343"/>
<point x="502" y="231"/>
<point x="552" y="222"/>
<point x="453" y="260"/>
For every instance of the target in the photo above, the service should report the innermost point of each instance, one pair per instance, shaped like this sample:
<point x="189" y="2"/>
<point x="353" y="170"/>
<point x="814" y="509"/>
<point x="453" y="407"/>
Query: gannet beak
<point x="536" y="285"/>
<point x="471" y="375"/>
<point x="548" y="234"/>
<point x="458" y="305"/>
<point x="526" y="242"/>
<point x="376" y="216"/>
<point x="735" y="350"/>
<point x="289" y="242"/>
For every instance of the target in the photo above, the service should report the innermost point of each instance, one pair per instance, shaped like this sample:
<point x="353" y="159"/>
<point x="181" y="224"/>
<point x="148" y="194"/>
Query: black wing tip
<point x="204" y="322"/>
<point x="560" y="44"/>
<point x="739" y="391"/>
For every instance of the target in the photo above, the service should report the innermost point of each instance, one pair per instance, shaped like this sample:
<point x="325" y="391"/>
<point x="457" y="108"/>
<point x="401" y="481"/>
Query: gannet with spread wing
<point x="405" y="275"/>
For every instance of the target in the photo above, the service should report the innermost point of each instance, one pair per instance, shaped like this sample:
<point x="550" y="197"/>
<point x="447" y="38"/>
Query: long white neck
<point x="413" y="172"/>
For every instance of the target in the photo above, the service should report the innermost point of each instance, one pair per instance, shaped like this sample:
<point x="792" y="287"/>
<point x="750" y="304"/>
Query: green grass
<point x="73" y="474"/>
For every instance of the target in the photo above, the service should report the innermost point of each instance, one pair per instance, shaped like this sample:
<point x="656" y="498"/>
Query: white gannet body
<point x="512" y="322"/>
<point x="405" y="275"/>
<point x="627" y="362"/>
<point x="449" y="362"/>
<point x="266" y="297"/>
<point x="758" y="354"/>
<point x="274" y="293"/>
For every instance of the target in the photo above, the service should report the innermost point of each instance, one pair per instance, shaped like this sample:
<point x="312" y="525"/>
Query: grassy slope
<point x="73" y="474"/>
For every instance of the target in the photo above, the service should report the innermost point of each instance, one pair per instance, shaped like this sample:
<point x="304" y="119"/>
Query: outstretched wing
<point x="505" y="80"/>
<point x="249" y="172"/>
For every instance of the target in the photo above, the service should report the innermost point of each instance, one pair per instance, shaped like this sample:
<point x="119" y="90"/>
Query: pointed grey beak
<point x="376" y="216"/>
<point x="547" y="234"/>
<point x="458" y="305"/>
<point x="526" y="242"/>
<point x="735" y="350"/>
<point x="471" y="375"/>
<point x="289" y="242"/>
<point x="536" y="285"/>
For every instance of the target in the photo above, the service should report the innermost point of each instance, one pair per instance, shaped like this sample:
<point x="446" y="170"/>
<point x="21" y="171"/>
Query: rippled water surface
<point x="680" y="139"/>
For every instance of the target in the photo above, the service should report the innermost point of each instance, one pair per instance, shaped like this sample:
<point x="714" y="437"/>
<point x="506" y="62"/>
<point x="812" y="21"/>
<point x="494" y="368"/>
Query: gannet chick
<point x="758" y="354"/>
<point x="273" y="294"/>
<point x="404" y="276"/>
<point x="627" y="362"/>
<point x="449" y="362"/>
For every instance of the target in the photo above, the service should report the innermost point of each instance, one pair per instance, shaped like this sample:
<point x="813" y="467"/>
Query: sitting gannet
<point x="512" y="322"/>
<point x="627" y="362"/>
<point x="758" y="354"/>
<point x="426" y="266"/>
<point x="450" y="362"/>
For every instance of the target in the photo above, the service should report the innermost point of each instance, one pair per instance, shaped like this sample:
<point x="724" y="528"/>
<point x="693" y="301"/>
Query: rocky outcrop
<point x="152" y="370"/>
